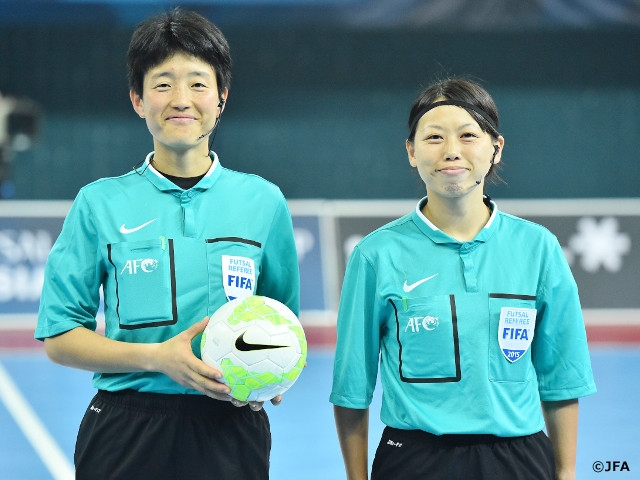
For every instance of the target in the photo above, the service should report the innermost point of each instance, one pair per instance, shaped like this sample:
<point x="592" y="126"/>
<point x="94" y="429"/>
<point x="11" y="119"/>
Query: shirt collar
<point x="166" y="185"/>
<point x="429" y="228"/>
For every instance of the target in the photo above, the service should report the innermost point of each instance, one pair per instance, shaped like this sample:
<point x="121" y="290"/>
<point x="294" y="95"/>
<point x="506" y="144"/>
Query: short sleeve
<point x="560" y="351"/>
<point x="71" y="290"/>
<point x="358" y="336"/>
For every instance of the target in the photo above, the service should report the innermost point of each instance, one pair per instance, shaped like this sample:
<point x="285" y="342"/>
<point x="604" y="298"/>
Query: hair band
<point x="455" y="103"/>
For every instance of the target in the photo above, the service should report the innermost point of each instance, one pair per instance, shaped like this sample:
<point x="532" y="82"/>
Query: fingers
<point x="238" y="403"/>
<point x="197" y="328"/>
<point x="210" y="372"/>
<point x="255" y="406"/>
<point x="212" y="387"/>
<point x="220" y="391"/>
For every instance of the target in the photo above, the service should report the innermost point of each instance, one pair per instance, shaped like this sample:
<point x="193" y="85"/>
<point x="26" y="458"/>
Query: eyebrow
<point x="197" y="73"/>
<point x="461" y="127"/>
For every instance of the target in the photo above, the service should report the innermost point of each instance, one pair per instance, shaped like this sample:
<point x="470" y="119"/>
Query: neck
<point x="181" y="164"/>
<point x="460" y="220"/>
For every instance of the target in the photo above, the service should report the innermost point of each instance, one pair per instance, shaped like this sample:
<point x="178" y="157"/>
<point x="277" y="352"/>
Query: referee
<point x="163" y="243"/>
<point x="471" y="317"/>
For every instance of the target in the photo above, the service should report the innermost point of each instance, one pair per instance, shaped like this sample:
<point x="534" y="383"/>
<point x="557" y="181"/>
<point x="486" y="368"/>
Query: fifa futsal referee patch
<point x="515" y="331"/>
<point x="238" y="276"/>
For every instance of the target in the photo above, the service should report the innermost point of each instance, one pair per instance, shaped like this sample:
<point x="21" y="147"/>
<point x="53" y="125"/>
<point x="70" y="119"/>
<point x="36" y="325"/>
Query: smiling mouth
<point x="452" y="170"/>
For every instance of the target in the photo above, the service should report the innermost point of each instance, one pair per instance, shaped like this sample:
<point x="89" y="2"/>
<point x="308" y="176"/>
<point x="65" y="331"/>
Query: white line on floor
<point x="42" y="442"/>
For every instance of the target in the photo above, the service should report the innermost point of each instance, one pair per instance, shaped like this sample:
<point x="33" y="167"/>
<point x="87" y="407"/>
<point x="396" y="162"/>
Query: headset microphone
<point x="496" y="149"/>
<point x="220" y="104"/>
<point x="209" y="132"/>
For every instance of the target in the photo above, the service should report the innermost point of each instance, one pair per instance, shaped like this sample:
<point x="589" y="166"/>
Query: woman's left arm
<point x="561" y="418"/>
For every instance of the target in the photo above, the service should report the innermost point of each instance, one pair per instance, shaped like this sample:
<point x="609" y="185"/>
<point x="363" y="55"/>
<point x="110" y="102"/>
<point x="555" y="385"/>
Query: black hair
<point x="459" y="90"/>
<point x="178" y="31"/>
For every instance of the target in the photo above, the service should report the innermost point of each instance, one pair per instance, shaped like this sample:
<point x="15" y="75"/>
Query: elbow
<point x="51" y="350"/>
<point x="54" y="348"/>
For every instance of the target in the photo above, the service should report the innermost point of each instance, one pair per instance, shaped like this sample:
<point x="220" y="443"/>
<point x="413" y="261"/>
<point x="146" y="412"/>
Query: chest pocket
<point x="144" y="280"/>
<point x="501" y="369"/>
<point x="427" y="336"/>
<point x="234" y="264"/>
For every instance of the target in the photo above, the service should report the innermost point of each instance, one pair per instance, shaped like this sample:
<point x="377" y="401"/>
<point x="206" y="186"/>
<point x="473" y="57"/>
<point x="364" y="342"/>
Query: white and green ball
<point x="259" y="346"/>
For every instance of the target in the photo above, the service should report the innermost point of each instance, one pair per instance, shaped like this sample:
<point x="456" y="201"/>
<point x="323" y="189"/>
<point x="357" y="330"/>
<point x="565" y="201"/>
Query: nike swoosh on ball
<point x="243" y="346"/>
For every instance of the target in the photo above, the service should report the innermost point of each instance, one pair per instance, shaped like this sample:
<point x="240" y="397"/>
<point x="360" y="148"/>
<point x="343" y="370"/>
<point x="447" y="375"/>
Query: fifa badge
<point x="238" y="276"/>
<point x="515" y="331"/>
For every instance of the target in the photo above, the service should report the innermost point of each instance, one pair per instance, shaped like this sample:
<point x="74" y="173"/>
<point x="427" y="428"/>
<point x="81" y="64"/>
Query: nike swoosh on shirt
<point x="244" y="346"/>
<point x="408" y="288"/>
<point x="126" y="230"/>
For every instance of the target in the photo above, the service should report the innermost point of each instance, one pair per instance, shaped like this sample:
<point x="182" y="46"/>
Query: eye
<point x="199" y="86"/>
<point x="469" y="137"/>
<point x="433" y="138"/>
<point x="162" y="86"/>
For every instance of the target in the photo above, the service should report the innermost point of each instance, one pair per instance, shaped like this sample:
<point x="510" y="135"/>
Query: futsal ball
<point x="259" y="346"/>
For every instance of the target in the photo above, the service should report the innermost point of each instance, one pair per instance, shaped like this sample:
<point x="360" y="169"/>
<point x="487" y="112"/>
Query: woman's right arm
<point x="87" y="350"/>
<point x="352" y="426"/>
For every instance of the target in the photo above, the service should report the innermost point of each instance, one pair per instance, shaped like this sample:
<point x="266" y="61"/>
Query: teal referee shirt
<point x="166" y="258"/>
<point x="469" y="337"/>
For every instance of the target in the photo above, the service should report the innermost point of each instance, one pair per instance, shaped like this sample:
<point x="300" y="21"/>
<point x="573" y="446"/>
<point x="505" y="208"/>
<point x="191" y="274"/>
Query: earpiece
<point x="496" y="150"/>
<point x="221" y="105"/>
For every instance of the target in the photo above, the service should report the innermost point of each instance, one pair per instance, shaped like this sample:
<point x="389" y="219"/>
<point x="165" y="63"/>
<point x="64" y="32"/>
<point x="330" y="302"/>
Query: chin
<point x="454" y="188"/>
<point x="180" y="145"/>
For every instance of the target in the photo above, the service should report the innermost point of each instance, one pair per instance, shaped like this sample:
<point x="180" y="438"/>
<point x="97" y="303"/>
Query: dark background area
<point x="321" y="91"/>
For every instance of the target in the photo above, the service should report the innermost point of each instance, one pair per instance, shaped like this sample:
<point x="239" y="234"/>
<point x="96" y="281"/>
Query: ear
<point x="500" y="146"/>
<point x="136" y="101"/>
<point x="223" y="96"/>
<point x="411" y="153"/>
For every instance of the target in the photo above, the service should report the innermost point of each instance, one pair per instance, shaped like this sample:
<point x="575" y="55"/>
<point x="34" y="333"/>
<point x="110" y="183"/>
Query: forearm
<point x="561" y="419"/>
<point x="87" y="350"/>
<point x="352" y="426"/>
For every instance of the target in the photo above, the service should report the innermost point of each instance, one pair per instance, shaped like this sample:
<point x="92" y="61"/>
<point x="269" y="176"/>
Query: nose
<point x="180" y="98"/>
<point x="452" y="151"/>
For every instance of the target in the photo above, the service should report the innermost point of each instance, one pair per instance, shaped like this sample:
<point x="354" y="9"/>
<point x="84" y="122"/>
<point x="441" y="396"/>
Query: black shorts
<point x="131" y="435"/>
<point x="415" y="454"/>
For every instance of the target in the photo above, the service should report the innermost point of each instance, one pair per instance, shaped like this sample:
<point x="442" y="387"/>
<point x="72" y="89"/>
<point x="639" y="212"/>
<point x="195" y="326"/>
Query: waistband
<point x="454" y="439"/>
<point x="168" y="403"/>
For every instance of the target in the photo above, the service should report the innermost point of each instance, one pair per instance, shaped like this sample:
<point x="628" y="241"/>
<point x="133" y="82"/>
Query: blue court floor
<point x="41" y="405"/>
